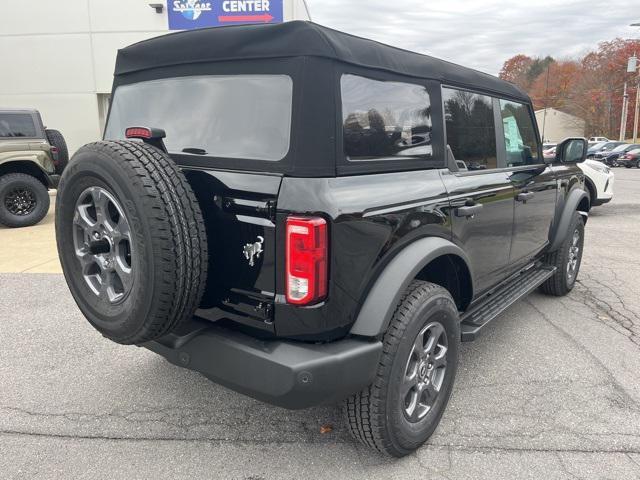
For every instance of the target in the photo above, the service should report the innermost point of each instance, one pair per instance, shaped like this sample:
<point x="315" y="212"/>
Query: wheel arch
<point x="577" y="201"/>
<point x="432" y="259"/>
<point x="28" y="168"/>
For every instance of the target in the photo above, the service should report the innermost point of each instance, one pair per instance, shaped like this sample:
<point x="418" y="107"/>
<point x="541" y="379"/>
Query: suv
<point x="31" y="161"/>
<point x="305" y="216"/>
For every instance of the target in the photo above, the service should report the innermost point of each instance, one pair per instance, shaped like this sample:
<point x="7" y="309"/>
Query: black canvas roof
<point x="296" y="39"/>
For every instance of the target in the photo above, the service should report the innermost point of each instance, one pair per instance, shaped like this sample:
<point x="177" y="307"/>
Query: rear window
<point x="235" y="116"/>
<point x="17" y="125"/>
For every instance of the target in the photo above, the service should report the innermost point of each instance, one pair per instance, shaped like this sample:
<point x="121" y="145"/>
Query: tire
<point x="131" y="215"/>
<point x="377" y="416"/>
<point x="56" y="139"/>
<point x="24" y="200"/>
<point x="562" y="281"/>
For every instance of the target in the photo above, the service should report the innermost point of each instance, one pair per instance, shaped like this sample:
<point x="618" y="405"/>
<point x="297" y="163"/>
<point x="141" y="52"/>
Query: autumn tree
<point x="589" y="88"/>
<point x="516" y="70"/>
<point x="553" y="87"/>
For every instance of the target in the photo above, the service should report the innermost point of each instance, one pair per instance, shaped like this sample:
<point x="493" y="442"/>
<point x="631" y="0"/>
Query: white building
<point x="58" y="56"/>
<point x="555" y="125"/>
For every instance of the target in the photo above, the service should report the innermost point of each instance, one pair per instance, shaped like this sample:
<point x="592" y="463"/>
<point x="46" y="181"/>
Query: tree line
<point x="590" y="87"/>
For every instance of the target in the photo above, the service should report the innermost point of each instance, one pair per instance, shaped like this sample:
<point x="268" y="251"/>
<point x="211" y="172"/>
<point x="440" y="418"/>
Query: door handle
<point x="524" y="196"/>
<point x="468" y="210"/>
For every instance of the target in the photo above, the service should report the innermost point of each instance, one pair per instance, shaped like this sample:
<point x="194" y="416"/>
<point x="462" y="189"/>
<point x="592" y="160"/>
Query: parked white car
<point x="598" y="181"/>
<point x="598" y="139"/>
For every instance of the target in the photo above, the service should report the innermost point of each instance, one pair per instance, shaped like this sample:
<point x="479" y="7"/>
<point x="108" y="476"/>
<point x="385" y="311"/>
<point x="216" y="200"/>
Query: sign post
<point x="190" y="14"/>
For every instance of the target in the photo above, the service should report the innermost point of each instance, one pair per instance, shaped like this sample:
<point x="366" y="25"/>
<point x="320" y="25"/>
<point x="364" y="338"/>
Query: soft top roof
<point x="295" y="39"/>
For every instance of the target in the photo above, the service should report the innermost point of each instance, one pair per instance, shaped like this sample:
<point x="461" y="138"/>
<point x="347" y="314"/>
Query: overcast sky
<point x="482" y="34"/>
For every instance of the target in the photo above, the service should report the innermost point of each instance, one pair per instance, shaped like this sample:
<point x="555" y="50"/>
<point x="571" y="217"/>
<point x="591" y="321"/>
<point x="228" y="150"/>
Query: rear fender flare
<point x="561" y="229"/>
<point x="383" y="298"/>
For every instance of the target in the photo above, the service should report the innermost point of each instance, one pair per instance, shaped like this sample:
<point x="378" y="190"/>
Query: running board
<point x="498" y="301"/>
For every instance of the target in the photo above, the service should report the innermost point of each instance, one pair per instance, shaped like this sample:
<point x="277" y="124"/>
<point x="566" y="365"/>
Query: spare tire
<point x="56" y="139"/>
<point x="131" y="240"/>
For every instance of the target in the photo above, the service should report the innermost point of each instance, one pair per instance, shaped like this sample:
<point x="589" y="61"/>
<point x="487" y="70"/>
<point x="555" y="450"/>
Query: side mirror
<point x="572" y="150"/>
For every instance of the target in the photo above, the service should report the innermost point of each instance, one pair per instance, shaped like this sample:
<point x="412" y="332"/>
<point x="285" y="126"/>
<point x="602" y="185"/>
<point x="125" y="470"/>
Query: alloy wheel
<point x="574" y="255"/>
<point x="20" y="201"/>
<point x="425" y="372"/>
<point x="102" y="242"/>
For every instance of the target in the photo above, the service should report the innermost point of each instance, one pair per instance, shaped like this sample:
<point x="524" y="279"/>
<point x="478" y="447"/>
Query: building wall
<point x="558" y="125"/>
<point x="58" y="57"/>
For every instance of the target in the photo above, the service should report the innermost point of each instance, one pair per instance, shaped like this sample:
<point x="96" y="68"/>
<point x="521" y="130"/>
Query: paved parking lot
<point x="551" y="390"/>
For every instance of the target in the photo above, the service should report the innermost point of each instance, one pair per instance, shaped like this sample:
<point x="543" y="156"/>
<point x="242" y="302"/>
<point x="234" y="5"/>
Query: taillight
<point x="138" y="132"/>
<point x="306" y="259"/>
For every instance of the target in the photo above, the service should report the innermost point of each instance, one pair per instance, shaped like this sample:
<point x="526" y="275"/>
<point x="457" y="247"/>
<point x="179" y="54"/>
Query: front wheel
<point x="566" y="259"/>
<point x="404" y="404"/>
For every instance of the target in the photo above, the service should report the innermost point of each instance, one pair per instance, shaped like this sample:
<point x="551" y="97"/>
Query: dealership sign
<point x="188" y="14"/>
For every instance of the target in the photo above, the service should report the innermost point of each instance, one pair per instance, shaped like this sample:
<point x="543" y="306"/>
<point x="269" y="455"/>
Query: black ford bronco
<point x="305" y="216"/>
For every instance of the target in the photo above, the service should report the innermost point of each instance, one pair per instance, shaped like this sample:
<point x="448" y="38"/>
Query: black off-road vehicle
<point x="306" y="217"/>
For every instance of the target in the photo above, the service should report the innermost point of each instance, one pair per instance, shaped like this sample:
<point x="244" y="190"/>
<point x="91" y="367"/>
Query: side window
<point x="520" y="139"/>
<point x="385" y="120"/>
<point x="17" y="125"/>
<point x="471" y="132"/>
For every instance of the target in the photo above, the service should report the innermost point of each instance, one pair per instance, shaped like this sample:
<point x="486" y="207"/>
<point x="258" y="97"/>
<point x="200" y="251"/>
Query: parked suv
<point x="306" y="216"/>
<point x="611" y="158"/>
<point x="31" y="161"/>
<point x="603" y="149"/>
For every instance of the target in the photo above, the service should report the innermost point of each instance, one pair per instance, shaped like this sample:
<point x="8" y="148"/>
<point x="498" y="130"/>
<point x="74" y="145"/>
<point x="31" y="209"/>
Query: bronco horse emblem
<point x="253" y="250"/>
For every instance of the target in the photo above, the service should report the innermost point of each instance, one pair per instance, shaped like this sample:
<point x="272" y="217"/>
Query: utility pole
<point x="546" y="97"/>
<point x="623" y="119"/>
<point x="632" y="66"/>
<point x="635" y="115"/>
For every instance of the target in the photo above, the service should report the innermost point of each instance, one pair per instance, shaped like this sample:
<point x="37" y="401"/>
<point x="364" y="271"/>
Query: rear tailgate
<point x="239" y="211"/>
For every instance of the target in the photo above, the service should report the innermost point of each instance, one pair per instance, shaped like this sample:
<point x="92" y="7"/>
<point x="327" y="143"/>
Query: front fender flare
<point x="561" y="228"/>
<point x="384" y="296"/>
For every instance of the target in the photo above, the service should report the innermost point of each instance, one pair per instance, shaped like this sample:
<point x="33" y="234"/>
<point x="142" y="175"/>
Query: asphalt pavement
<point x="550" y="390"/>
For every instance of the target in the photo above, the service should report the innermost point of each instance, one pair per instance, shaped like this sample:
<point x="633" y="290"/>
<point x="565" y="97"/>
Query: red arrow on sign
<point x="245" y="18"/>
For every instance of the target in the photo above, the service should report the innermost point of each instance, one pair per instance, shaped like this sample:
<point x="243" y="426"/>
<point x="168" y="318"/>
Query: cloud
<point x="482" y="34"/>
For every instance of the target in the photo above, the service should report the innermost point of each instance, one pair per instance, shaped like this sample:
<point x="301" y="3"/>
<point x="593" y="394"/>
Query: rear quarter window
<point x="385" y="119"/>
<point x="17" y="125"/>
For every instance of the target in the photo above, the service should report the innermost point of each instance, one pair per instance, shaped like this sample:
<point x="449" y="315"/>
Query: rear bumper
<point x="285" y="373"/>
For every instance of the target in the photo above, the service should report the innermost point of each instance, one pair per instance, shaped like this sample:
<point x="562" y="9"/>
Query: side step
<point x="499" y="300"/>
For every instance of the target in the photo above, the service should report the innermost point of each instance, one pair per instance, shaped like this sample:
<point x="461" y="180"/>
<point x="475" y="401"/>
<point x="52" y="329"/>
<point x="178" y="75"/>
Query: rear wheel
<point x="403" y="406"/>
<point x="24" y="200"/>
<point x="131" y="240"/>
<point x="56" y="139"/>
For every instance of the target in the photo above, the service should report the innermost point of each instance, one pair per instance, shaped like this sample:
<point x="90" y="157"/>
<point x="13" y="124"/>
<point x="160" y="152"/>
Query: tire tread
<point x="364" y="411"/>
